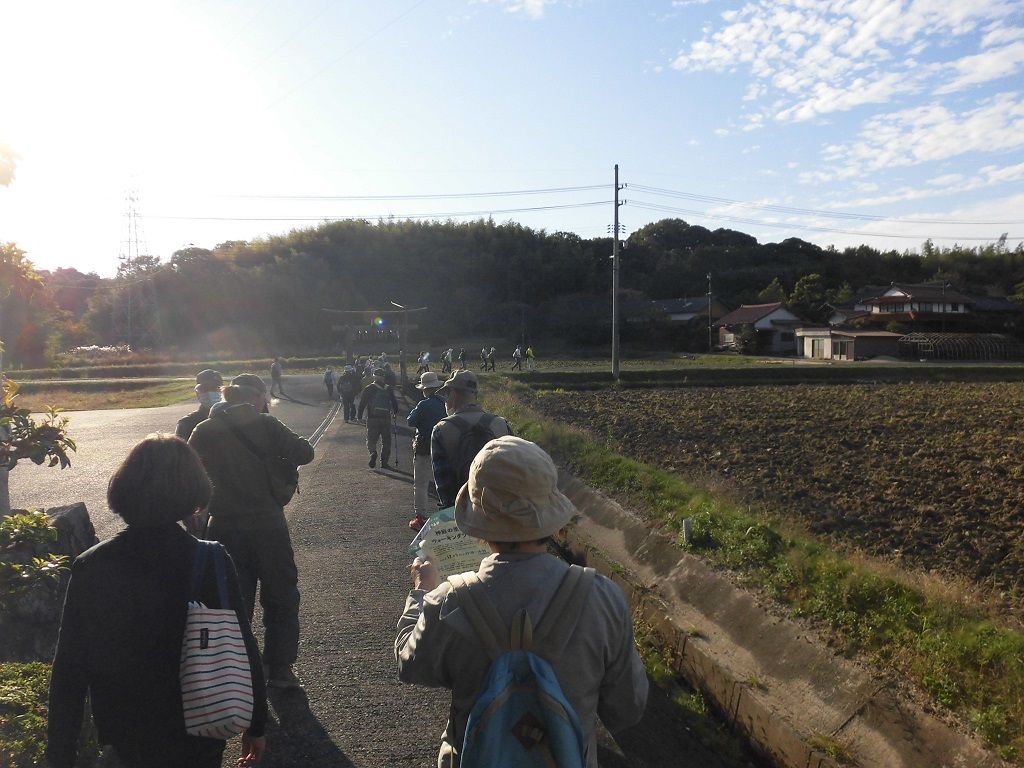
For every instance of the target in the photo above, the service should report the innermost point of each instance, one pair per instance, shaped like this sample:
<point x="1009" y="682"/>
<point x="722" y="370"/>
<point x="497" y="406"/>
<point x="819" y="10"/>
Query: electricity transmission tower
<point x="136" y="319"/>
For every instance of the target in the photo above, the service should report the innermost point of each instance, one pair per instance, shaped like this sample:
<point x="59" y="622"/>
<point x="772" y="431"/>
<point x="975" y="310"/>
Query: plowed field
<point x="930" y="475"/>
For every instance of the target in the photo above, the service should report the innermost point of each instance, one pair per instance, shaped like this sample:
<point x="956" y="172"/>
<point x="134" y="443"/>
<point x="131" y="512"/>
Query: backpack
<point x="381" y="406"/>
<point x="346" y="386"/>
<point x="472" y="438"/>
<point x="282" y="474"/>
<point x="522" y="718"/>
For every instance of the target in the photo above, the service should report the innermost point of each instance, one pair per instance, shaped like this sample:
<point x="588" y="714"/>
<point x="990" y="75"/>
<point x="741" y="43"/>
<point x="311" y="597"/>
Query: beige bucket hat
<point x="429" y="380"/>
<point x="464" y="380"/>
<point x="512" y="494"/>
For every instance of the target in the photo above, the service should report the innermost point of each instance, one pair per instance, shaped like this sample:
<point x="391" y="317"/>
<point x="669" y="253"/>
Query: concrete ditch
<point x="778" y="686"/>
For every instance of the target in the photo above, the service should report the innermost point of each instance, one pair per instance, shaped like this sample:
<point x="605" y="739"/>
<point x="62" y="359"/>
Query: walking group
<point x="156" y="630"/>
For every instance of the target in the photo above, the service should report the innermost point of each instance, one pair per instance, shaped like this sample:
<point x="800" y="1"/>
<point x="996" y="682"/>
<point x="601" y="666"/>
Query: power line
<point x="438" y="196"/>
<point x="323" y="9"/>
<point x="438" y="215"/>
<point x="287" y="94"/>
<point x="779" y="225"/>
<point x="807" y="211"/>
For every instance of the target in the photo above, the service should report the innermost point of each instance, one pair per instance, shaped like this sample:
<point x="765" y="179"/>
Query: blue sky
<point x="837" y="121"/>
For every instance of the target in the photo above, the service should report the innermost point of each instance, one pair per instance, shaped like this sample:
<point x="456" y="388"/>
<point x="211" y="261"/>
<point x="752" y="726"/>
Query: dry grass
<point x="101" y="395"/>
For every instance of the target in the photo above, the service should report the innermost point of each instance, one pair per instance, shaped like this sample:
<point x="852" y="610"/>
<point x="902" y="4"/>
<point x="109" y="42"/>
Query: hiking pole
<point x="394" y="430"/>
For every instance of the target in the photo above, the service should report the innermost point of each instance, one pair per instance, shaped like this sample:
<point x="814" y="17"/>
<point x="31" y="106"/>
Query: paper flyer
<point x="449" y="549"/>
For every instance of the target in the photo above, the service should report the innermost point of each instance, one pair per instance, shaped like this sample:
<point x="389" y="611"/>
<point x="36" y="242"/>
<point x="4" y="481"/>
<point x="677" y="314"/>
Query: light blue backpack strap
<point x="563" y="612"/>
<point x="482" y="614"/>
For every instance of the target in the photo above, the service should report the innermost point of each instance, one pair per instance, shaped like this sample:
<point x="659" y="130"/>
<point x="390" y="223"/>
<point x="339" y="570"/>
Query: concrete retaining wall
<point x="776" y="682"/>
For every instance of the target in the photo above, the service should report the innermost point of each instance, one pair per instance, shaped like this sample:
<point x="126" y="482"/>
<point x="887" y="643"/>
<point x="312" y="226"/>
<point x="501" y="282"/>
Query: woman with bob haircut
<point x="124" y="620"/>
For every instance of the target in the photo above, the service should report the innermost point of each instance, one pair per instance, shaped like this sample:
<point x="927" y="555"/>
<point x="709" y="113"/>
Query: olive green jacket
<point x="241" y="487"/>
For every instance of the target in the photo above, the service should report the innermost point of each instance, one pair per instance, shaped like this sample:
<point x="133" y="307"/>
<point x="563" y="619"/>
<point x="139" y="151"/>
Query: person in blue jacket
<point x="423" y="417"/>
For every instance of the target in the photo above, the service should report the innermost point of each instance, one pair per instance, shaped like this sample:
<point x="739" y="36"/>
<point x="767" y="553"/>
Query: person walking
<point x="252" y="459"/>
<point x="529" y="358"/>
<point x="455" y="439"/>
<point x="348" y="386"/>
<point x="446" y="360"/>
<point x="490" y="359"/>
<point x="377" y="401"/>
<point x="513" y="504"/>
<point x="462" y="358"/>
<point x="423" y="417"/>
<point x="208" y="384"/>
<point x="517" y="359"/>
<point x="276" y="376"/>
<point x="329" y="379"/>
<point x="123" y="624"/>
<point x="483" y="358"/>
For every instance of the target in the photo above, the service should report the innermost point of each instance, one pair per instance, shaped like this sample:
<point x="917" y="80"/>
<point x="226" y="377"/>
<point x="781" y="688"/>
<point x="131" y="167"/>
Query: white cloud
<point x="945" y="180"/>
<point x="996" y="175"/>
<point x="929" y="133"/>
<point x="983" y="67"/>
<point x="905" y="233"/>
<point x="722" y="131"/>
<point x="532" y="8"/>
<point x="817" y="57"/>
<point x="998" y="34"/>
<point x="940" y="186"/>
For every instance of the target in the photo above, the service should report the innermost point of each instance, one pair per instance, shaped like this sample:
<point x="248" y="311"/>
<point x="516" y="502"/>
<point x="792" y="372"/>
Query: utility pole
<point x="615" y="282"/>
<point x="945" y="285"/>
<point x="710" y="345"/>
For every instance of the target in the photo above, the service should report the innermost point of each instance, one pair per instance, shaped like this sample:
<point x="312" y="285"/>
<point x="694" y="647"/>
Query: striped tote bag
<point x="216" y="679"/>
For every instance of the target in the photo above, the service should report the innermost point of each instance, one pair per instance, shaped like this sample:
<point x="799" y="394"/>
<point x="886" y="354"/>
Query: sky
<point x="130" y="127"/>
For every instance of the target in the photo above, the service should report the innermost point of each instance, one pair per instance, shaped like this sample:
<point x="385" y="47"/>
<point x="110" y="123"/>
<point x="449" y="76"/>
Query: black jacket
<point x="187" y="423"/>
<point x="120" y="642"/>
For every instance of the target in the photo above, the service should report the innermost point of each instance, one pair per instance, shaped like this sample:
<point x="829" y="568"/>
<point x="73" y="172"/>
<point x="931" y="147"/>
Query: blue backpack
<point x="522" y="718"/>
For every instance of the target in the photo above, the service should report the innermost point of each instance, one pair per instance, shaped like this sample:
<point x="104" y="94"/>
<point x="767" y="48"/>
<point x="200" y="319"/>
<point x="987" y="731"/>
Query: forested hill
<point x="477" y="278"/>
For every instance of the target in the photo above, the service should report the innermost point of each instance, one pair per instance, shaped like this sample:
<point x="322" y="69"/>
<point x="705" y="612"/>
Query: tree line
<point x="478" y="279"/>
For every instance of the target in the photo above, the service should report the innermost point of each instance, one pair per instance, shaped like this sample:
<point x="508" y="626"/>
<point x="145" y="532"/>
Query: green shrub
<point x="23" y="713"/>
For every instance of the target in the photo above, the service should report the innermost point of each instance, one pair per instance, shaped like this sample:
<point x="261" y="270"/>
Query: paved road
<point x="350" y="536"/>
<point x="105" y="437"/>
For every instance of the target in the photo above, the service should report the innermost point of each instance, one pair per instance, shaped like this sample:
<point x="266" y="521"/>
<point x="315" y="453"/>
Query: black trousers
<point x="265" y="558"/>
<point x="348" y="406"/>
<point x="192" y="751"/>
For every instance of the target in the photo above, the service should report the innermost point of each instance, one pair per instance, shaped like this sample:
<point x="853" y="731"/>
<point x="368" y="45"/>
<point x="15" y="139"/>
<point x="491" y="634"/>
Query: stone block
<point x="29" y="631"/>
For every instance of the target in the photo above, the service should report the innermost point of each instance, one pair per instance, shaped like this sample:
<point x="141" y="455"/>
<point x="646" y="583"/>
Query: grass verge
<point x="23" y="711"/>
<point x="96" y="395"/>
<point x="964" y="661"/>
